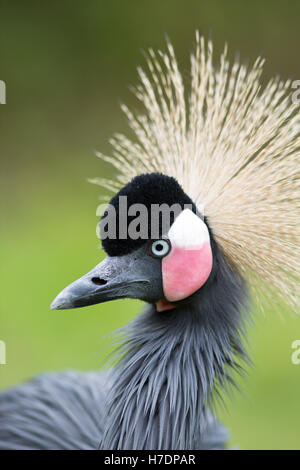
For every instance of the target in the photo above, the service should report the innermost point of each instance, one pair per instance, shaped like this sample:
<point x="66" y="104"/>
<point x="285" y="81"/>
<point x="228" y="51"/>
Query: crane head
<point x="159" y="248"/>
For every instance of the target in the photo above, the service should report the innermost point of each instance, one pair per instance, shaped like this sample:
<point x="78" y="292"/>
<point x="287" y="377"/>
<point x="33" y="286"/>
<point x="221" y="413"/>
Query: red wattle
<point x="162" y="305"/>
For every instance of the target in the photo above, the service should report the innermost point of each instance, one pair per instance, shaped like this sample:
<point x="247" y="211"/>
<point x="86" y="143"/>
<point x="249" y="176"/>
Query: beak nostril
<point x="98" y="281"/>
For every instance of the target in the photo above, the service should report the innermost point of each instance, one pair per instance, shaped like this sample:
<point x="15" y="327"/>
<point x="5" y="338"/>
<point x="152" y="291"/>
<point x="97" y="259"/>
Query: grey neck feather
<point x="169" y="365"/>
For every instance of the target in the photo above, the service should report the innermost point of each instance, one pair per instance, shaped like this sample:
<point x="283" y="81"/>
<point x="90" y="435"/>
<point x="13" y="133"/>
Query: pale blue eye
<point x="160" y="248"/>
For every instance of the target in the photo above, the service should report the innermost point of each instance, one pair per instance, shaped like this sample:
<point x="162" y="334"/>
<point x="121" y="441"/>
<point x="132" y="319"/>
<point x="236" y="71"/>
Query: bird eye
<point x="160" y="248"/>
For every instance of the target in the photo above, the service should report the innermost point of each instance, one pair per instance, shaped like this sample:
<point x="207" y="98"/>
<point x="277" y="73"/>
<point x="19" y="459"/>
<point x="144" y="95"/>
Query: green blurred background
<point x="67" y="66"/>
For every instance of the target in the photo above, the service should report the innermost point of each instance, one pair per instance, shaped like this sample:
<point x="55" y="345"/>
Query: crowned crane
<point x="226" y="152"/>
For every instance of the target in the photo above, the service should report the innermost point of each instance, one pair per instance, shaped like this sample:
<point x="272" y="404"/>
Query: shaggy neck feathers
<point x="170" y="363"/>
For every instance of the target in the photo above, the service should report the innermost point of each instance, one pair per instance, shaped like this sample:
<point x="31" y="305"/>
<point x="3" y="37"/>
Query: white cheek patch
<point x="188" y="231"/>
<point x="188" y="265"/>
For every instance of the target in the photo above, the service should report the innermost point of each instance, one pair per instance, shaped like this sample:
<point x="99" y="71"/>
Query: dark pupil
<point x="159" y="247"/>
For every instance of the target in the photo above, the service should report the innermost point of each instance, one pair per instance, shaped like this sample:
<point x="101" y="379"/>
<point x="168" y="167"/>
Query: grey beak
<point x="136" y="275"/>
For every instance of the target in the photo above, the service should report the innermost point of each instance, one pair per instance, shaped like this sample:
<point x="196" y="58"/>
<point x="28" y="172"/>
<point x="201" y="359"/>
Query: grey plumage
<point x="66" y="411"/>
<point x="54" y="411"/>
<point x="171" y="364"/>
<point x="157" y="395"/>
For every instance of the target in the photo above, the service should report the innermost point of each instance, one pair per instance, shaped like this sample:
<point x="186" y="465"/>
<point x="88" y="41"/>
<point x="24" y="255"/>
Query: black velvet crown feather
<point x="146" y="189"/>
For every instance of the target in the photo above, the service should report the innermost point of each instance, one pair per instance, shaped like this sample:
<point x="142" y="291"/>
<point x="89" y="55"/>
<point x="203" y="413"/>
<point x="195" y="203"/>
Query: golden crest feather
<point x="234" y="147"/>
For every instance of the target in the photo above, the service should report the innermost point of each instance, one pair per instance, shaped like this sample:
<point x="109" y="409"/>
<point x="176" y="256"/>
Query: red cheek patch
<point x="185" y="270"/>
